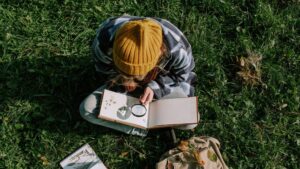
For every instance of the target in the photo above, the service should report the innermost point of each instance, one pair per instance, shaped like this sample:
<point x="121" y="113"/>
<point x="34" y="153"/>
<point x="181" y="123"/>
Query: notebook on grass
<point x="127" y="110"/>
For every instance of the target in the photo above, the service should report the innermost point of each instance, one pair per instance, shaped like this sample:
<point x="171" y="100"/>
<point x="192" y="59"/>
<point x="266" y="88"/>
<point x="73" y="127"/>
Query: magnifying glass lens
<point x="138" y="110"/>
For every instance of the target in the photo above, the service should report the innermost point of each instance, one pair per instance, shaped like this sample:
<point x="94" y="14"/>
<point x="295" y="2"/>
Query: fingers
<point x="147" y="97"/>
<point x="144" y="96"/>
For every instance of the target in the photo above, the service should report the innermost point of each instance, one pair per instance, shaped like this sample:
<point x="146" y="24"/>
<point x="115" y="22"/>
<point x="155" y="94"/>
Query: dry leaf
<point x="124" y="154"/>
<point x="283" y="106"/>
<point x="250" y="69"/>
<point x="198" y="158"/>
<point x="44" y="160"/>
<point x="212" y="156"/>
<point x="242" y="61"/>
<point x="183" y="146"/>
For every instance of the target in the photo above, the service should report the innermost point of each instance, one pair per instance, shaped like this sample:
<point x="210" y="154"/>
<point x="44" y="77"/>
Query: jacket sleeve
<point x="102" y="47"/>
<point x="179" y="64"/>
<point x="180" y="75"/>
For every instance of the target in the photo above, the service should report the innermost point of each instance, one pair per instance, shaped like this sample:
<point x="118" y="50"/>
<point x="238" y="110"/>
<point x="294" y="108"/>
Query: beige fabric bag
<point x="195" y="153"/>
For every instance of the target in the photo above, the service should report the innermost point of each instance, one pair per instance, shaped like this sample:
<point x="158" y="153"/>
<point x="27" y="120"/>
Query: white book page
<point x="173" y="111"/>
<point x="117" y="107"/>
<point x="84" y="157"/>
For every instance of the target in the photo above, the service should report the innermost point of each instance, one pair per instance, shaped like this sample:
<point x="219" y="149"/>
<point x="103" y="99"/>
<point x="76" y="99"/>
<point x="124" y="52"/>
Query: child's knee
<point x="88" y="104"/>
<point x="187" y="127"/>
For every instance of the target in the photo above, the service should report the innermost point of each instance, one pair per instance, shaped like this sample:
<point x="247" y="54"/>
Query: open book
<point x="127" y="110"/>
<point x="84" y="157"/>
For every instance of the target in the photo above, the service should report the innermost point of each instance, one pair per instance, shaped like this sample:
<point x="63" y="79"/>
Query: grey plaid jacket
<point x="177" y="66"/>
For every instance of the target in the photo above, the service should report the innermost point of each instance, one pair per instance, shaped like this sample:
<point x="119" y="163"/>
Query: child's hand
<point x="147" y="97"/>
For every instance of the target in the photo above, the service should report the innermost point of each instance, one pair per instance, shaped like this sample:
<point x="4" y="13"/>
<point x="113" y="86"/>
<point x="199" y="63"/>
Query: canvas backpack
<point x="195" y="153"/>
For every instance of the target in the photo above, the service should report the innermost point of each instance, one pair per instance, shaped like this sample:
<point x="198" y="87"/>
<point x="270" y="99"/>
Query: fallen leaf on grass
<point x="124" y="154"/>
<point x="250" y="69"/>
<point x="283" y="106"/>
<point x="44" y="160"/>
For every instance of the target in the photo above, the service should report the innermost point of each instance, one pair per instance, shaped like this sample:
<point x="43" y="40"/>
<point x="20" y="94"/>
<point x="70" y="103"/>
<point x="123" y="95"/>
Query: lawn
<point x="46" y="70"/>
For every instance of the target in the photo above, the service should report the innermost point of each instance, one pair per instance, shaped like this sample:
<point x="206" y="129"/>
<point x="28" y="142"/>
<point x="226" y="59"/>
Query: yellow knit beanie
<point x="137" y="46"/>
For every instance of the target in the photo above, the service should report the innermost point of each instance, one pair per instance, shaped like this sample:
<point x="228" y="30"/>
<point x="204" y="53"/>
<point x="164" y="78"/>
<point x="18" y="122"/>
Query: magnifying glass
<point x="138" y="110"/>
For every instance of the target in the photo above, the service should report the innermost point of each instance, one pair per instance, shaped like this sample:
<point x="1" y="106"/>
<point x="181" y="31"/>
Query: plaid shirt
<point x="177" y="66"/>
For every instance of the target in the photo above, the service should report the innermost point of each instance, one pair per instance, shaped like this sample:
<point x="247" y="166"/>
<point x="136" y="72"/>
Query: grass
<point x="46" y="71"/>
